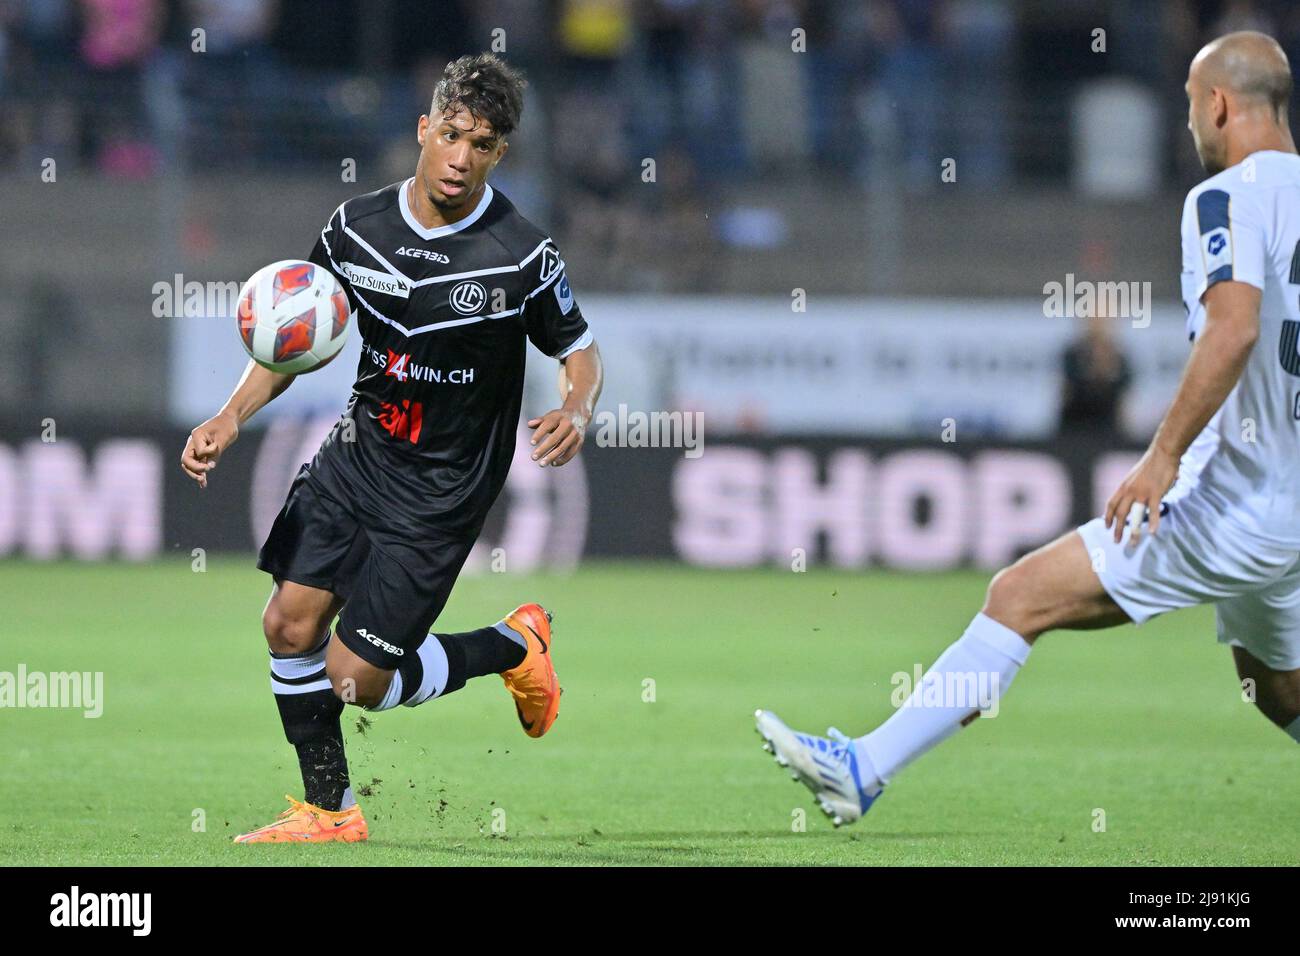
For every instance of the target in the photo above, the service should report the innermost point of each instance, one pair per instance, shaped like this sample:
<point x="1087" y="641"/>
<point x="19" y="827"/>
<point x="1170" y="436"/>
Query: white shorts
<point x="1199" y="556"/>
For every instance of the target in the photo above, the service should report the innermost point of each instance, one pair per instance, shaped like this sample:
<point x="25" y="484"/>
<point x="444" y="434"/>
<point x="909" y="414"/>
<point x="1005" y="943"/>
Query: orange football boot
<point x="305" y="823"/>
<point x="533" y="683"/>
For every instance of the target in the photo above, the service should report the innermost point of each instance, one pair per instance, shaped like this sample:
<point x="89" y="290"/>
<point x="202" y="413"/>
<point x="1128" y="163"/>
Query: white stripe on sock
<point x="511" y="633"/>
<point x="433" y="657"/>
<point x="393" y="696"/>
<point x="300" y="665"/>
<point x="279" y="687"/>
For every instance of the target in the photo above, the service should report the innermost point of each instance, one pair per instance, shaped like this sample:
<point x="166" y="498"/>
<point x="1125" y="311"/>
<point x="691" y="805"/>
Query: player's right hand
<point x="205" y="445"/>
<point x="1140" y="493"/>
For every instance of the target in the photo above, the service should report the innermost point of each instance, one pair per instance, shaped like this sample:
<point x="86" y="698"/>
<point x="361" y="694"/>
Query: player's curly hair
<point x="485" y="85"/>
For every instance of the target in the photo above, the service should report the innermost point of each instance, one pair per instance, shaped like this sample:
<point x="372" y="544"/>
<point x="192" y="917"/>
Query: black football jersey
<point x="444" y="316"/>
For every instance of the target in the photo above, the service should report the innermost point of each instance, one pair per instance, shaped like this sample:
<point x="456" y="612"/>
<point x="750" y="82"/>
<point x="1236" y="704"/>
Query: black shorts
<point x="393" y="588"/>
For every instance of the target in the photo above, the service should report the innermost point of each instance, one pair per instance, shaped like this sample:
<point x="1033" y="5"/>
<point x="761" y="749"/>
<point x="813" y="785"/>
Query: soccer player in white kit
<point x="1211" y="512"/>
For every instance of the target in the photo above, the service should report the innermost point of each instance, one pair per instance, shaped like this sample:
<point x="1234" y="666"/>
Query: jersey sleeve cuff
<point x="584" y="340"/>
<point x="1227" y="274"/>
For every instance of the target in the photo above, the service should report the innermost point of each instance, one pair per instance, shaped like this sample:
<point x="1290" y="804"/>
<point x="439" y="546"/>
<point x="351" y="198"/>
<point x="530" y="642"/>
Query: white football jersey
<point x="1244" y="225"/>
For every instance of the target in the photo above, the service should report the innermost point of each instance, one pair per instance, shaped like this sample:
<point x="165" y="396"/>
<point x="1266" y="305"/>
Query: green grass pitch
<point x="1146" y="725"/>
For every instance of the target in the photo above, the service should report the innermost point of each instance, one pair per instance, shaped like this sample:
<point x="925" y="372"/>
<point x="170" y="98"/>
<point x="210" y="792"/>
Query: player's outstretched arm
<point x="1216" y="363"/>
<point x="256" y="387"/>
<point x="558" y="435"/>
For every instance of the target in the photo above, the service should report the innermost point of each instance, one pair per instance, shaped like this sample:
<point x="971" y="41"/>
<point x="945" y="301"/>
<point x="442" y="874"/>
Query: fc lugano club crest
<point x="468" y="297"/>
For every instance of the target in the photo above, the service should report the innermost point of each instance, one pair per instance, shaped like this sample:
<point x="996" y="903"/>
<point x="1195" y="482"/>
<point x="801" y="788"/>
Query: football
<point x="292" y="316"/>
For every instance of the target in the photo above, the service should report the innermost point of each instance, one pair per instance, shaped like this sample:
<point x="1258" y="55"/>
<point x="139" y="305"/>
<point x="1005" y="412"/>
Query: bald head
<point x="1238" y="89"/>
<point x="1248" y="65"/>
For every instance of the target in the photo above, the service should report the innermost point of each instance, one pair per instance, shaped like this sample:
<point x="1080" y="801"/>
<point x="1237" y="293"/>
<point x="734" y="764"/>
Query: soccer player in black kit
<point x="447" y="282"/>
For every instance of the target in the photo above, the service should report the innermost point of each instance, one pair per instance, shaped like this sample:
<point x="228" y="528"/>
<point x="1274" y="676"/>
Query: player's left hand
<point x="1142" y="489"/>
<point x="557" y="436"/>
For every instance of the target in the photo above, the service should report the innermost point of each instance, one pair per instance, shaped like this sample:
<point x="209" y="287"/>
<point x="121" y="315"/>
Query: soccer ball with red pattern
<point x="292" y="316"/>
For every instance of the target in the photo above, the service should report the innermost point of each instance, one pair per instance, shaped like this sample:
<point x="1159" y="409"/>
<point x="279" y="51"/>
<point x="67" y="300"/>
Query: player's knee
<point x="1005" y="600"/>
<point x="1012" y="600"/>
<point x="288" y="634"/>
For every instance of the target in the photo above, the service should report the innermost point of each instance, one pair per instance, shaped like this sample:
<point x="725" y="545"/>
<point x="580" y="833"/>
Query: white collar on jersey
<point x="437" y="231"/>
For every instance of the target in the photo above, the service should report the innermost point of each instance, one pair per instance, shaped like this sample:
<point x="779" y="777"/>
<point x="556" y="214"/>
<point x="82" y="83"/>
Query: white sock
<point x="393" y="696"/>
<point x="1293" y="729"/>
<point x="969" y="677"/>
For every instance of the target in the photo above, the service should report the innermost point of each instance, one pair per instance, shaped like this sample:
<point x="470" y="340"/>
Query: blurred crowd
<point x="275" y="77"/>
<point x="707" y="89"/>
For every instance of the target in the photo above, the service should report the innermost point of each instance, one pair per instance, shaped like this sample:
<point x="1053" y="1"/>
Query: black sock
<point x="478" y="653"/>
<point x="311" y="723"/>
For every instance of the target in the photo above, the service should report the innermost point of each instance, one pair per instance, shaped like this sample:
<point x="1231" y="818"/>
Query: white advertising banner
<point x="887" y="367"/>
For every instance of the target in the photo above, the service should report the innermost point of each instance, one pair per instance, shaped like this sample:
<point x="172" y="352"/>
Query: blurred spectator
<point x="663" y="104"/>
<point x="589" y="115"/>
<point x="836" y="60"/>
<point x="980" y="37"/>
<point x="234" y="27"/>
<point x="593" y="36"/>
<point x="1096" y="377"/>
<point x="440" y="28"/>
<point x="118" y="38"/>
<point x="232" y="81"/>
<point x="906" y="34"/>
<point x="1242" y="15"/>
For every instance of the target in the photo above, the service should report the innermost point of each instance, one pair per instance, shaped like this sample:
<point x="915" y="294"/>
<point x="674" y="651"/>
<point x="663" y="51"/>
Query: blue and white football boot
<point x="828" y="766"/>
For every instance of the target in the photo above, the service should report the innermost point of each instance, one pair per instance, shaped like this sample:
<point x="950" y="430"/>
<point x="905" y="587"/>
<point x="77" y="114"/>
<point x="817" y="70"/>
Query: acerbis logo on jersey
<point x="372" y="281"/>
<point x="380" y="642"/>
<point x="468" y="297"/>
<point x="423" y="254"/>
